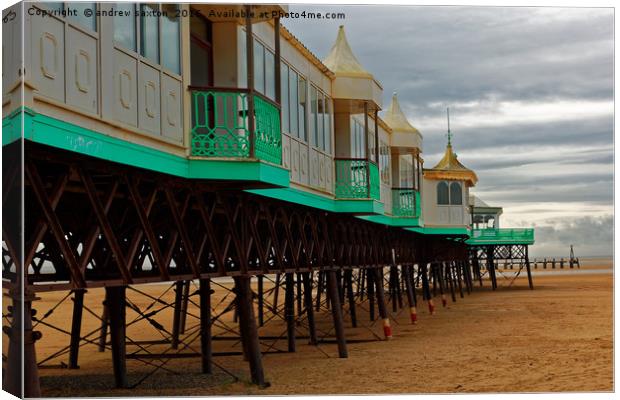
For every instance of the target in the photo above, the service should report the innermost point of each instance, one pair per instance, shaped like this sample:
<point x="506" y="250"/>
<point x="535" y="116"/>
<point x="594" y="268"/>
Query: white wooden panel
<point x="322" y="162"/>
<point x="171" y="119"/>
<point x="386" y="197"/>
<point x="126" y="88"/>
<point x="444" y="215"/>
<point x="294" y="160"/>
<point x="48" y="63"/>
<point x="314" y="168"/>
<point x="81" y="61"/>
<point x="329" y="174"/>
<point x="148" y="99"/>
<point x="456" y="215"/>
<point x="303" y="163"/>
<point x="286" y="152"/>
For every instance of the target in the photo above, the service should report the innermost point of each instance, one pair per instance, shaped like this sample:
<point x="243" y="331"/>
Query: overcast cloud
<point x="530" y="92"/>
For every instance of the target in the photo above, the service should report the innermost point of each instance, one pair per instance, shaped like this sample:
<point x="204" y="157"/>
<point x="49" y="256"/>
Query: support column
<point x="348" y="278"/>
<point x="527" y="266"/>
<point x="18" y="368"/>
<point x="176" y="316"/>
<point x="413" y="312"/>
<point x="307" y="281"/>
<point x="249" y="51"/>
<point x="491" y="266"/>
<point x="261" y="302"/>
<point x="332" y="292"/>
<point x="371" y="293"/>
<point x="383" y="313"/>
<point x="289" y="311"/>
<point x="248" y="329"/>
<point x="115" y="299"/>
<point x="184" y="304"/>
<point x="426" y="288"/>
<point x="206" y="348"/>
<point x="76" y="326"/>
<point x="105" y="320"/>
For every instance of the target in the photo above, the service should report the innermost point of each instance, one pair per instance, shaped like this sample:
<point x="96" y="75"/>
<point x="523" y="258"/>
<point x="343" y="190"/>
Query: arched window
<point x="442" y="193"/>
<point x="456" y="194"/>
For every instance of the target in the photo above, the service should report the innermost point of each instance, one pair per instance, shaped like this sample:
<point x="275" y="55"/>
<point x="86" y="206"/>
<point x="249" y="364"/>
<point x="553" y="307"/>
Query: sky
<point x="530" y="92"/>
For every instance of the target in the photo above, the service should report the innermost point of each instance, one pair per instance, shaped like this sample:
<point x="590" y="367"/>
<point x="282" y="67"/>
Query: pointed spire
<point x="449" y="134"/>
<point x="396" y="119"/>
<point x="341" y="59"/>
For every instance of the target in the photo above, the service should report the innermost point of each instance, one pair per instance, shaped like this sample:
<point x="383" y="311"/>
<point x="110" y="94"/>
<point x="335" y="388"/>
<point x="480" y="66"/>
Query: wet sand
<point x="558" y="337"/>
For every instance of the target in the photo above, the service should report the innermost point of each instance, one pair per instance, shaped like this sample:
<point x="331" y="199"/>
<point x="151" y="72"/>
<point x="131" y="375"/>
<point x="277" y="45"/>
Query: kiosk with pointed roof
<point x="446" y="191"/>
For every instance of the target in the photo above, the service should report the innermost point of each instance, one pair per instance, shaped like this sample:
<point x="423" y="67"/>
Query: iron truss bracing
<point x="91" y="223"/>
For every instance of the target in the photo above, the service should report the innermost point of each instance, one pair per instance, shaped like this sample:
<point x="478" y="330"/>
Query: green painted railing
<point x="405" y="202"/>
<point x="357" y="178"/>
<point x="500" y="236"/>
<point x="220" y="125"/>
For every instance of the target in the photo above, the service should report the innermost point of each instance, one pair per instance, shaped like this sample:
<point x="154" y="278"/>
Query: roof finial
<point x="449" y="134"/>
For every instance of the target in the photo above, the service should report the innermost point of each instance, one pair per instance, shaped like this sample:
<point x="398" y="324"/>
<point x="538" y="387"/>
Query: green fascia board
<point x="478" y="242"/>
<point x="389" y="220"/>
<point x="447" y="231"/>
<point x="297" y="196"/>
<point x="53" y="132"/>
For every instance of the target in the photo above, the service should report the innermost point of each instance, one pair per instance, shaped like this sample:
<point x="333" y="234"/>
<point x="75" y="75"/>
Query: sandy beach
<point x="558" y="337"/>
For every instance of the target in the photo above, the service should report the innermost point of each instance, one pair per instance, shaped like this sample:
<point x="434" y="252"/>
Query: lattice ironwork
<point x="267" y="131"/>
<point x="220" y="125"/>
<point x="405" y="202"/>
<point x="357" y="178"/>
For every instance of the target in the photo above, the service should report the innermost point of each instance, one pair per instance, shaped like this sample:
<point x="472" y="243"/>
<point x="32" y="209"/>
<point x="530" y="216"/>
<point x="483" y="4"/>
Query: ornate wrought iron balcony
<point x="357" y="178"/>
<point x="221" y="127"/>
<point x="405" y="202"/>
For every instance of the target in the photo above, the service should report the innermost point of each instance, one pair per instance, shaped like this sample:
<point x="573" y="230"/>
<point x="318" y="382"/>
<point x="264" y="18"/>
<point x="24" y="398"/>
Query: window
<point x="293" y="81"/>
<point x="456" y="194"/>
<point x="79" y="17"/>
<point x="442" y="193"/>
<point x="327" y="125"/>
<point x="264" y="70"/>
<point x="285" y="109"/>
<point x="358" y="145"/>
<point x="171" y="28"/>
<point x="449" y="194"/>
<point x="302" y="99"/>
<point x="159" y="35"/>
<point x="149" y="32"/>
<point x="201" y="54"/>
<point x="314" y="116"/>
<point x="384" y="163"/>
<point x="405" y="171"/>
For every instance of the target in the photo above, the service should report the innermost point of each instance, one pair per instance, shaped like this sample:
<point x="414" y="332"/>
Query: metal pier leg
<point x="413" y="313"/>
<point x="334" y="296"/>
<point x="18" y="368"/>
<point x="206" y="349"/>
<point x="426" y="289"/>
<point x="307" y="281"/>
<point x="383" y="313"/>
<point x="249" y="330"/>
<point x="184" y="303"/>
<point x="348" y="278"/>
<point x="103" y="333"/>
<point x="261" y="302"/>
<point x="289" y="305"/>
<point x="176" y="319"/>
<point x="76" y="326"/>
<point x="371" y="293"/>
<point x="529" y="270"/>
<point x="115" y="298"/>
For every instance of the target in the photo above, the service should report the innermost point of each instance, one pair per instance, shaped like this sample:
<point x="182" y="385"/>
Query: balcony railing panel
<point x="357" y="178"/>
<point x="503" y="235"/>
<point x="220" y="125"/>
<point x="405" y="202"/>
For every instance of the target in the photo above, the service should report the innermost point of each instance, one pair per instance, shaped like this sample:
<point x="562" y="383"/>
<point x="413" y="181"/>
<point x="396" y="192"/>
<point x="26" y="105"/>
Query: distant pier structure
<point x="489" y="245"/>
